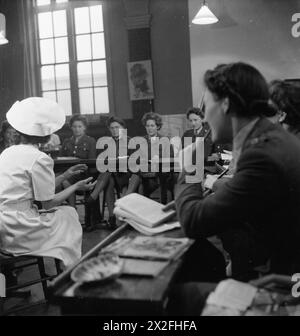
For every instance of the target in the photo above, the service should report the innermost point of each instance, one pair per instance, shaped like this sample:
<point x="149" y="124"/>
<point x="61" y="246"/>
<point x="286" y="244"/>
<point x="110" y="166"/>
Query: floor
<point x="38" y="307"/>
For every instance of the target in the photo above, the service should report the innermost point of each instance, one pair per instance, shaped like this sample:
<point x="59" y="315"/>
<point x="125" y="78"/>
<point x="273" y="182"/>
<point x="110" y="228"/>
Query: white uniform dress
<point x="26" y="174"/>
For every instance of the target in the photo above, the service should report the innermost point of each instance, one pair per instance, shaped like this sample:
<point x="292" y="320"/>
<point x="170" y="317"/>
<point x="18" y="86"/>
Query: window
<point x="72" y="55"/>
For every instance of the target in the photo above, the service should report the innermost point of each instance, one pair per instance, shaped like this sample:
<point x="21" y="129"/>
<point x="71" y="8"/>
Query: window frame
<point x="73" y="62"/>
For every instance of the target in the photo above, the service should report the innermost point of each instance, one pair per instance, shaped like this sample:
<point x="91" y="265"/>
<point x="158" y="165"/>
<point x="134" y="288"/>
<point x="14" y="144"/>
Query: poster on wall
<point x="140" y="80"/>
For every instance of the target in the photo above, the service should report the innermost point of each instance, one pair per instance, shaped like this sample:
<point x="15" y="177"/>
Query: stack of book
<point x="145" y="215"/>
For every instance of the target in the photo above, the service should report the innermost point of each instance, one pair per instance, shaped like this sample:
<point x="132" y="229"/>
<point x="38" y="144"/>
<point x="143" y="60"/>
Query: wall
<point x="11" y="59"/>
<point x="256" y="31"/>
<point x="171" y="56"/>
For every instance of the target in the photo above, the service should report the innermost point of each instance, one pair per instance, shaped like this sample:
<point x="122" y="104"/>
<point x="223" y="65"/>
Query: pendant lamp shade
<point x="205" y="16"/>
<point x="3" y="39"/>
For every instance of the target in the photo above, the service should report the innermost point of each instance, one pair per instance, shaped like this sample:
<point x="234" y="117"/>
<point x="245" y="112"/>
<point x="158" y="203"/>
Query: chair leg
<point x="58" y="267"/>
<point x="43" y="275"/>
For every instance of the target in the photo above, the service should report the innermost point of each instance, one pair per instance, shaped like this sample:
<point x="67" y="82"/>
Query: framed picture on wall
<point x="140" y="80"/>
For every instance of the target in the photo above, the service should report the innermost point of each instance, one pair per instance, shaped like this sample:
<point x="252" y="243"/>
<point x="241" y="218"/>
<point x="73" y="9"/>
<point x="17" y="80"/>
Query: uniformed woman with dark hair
<point x="80" y="146"/>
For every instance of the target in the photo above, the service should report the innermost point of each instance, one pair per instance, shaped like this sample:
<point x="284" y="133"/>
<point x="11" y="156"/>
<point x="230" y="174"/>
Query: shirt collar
<point x="197" y="132"/>
<point x="242" y="135"/>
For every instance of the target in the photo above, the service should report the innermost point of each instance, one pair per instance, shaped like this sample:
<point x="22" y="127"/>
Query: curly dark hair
<point x="153" y="116"/>
<point x="117" y="120"/>
<point x="245" y="87"/>
<point x="195" y="110"/>
<point x="286" y="97"/>
<point x="78" y="117"/>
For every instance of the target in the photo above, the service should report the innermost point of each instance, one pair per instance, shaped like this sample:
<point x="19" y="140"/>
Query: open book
<point x="142" y="211"/>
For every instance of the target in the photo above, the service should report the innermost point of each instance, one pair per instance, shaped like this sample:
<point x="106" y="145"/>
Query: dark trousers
<point x="203" y="266"/>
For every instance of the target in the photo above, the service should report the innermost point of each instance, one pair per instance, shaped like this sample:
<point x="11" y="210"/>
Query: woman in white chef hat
<point x="26" y="175"/>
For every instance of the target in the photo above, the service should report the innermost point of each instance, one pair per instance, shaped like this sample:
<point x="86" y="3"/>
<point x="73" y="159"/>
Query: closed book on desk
<point x="142" y="210"/>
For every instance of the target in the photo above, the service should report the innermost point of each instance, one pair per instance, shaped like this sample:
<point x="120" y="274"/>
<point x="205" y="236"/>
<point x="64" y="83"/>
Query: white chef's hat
<point x="36" y="116"/>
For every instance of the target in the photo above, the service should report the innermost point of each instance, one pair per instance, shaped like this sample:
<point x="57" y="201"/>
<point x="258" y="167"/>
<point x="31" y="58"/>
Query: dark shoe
<point x="112" y="222"/>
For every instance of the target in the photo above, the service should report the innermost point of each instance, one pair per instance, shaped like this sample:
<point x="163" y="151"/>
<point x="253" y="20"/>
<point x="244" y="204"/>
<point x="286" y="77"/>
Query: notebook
<point x="142" y="210"/>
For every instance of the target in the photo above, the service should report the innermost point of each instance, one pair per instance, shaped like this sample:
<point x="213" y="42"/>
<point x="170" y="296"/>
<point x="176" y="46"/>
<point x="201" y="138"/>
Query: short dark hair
<point x="195" y="110"/>
<point x="78" y="117"/>
<point x="286" y="97"/>
<point x="152" y="116"/>
<point x="34" y="140"/>
<point x="4" y="127"/>
<point x="117" y="120"/>
<point x="243" y="85"/>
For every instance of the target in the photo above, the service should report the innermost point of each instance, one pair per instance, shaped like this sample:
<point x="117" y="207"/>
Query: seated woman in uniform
<point x="26" y="176"/>
<point x="200" y="130"/>
<point x="286" y="98"/>
<point x="80" y="146"/>
<point x="114" y="180"/>
<point x="150" y="181"/>
<point x="256" y="212"/>
<point x="8" y="136"/>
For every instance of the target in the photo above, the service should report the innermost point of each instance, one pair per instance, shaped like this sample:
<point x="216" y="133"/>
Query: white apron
<point x="26" y="174"/>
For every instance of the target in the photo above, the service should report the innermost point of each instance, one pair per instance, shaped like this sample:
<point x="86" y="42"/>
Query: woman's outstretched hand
<point x="75" y="170"/>
<point x="86" y="185"/>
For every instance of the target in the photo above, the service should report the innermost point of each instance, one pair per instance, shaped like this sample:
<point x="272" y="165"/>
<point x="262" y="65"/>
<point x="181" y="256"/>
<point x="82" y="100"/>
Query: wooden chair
<point x="10" y="264"/>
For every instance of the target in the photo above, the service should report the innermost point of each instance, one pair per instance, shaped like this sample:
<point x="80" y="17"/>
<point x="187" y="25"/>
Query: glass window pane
<point x="50" y="95"/>
<point x="48" y="78"/>
<point x="62" y="49"/>
<point x="60" y="23"/>
<point x="43" y="2"/>
<point x="99" y="71"/>
<point x="83" y="47"/>
<point x="64" y="100"/>
<point x="84" y="74"/>
<point x="82" y="20"/>
<point x="96" y="18"/>
<point x="86" y="101"/>
<point x="61" y="1"/>
<point x="62" y="76"/>
<point x="45" y="25"/>
<point x="47" y="51"/>
<point x="101" y="100"/>
<point x="98" y="45"/>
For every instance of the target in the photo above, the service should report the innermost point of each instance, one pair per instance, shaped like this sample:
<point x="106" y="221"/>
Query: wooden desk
<point x="128" y="295"/>
<point x="61" y="165"/>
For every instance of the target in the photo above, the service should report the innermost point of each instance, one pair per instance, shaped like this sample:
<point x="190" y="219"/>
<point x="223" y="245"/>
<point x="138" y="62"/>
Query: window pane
<point x="48" y="78"/>
<point x="64" y="100"/>
<point x="45" y="25"/>
<point x="50" y="95"/>
<point x="61" y="1"/>
<point x="96" y="18"/>
<point x="60" y="23"/>
<point x="47" y="51"/>
<point x="86" y="101"/>
<point x="43" y="2"/>
<point x="85" y="74"/>
<point x="62" y="76"/>
<point x="101" y="100"/>
<point x="99" y="71"/>
<point x="62" y="49"/>
<point x="82" y="20"/>
<point x="84" y="47"/>
<point x="98" y="45"/>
